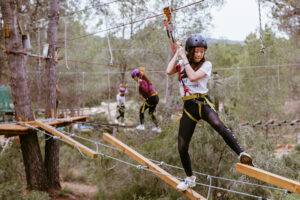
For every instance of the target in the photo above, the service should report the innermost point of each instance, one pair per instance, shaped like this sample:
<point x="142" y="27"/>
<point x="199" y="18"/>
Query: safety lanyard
<point x="167" y="20"/>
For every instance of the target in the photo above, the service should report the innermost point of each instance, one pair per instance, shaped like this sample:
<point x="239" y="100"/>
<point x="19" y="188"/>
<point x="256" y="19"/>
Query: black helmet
<point x="195" y="40"/>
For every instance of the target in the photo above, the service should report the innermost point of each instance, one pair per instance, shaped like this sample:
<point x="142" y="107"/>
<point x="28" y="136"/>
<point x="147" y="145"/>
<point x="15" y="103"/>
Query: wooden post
<point x="68" y="139"/>
<point x="279" y="181"/>
<point x="52" y="114"/>
<point x="191" y="194"/>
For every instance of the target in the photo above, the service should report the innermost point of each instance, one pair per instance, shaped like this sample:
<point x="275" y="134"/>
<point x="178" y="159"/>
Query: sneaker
<point x="140" y="127"/>
<point x="116" y="121"/>
<point x="123" y="124"/>
<point x="188" y="182"/>
<point x="245" y="159"/>
<point x="158" y="130"/>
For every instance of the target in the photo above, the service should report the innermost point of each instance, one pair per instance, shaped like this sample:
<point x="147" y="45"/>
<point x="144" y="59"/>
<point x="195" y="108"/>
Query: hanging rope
<point x="110" y="51"/>
<point x="262" y="50"/>
<point x="66" y="51"/>
<point x="104" y="167"/>
<point x="108" y="40"/>
<point x="208" y="193"/>
<point x="5" y="146"/>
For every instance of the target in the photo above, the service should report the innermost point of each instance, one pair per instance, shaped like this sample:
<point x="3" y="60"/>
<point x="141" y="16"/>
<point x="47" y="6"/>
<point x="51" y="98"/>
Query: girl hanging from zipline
<point x="146" y="90"/>
<point x="194" y="72"/>
<point x="121" y="105"/>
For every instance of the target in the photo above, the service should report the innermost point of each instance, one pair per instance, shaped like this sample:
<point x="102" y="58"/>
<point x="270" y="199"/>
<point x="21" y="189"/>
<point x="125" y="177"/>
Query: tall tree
<point x="52" y="145"/>
<point x="287" y="14"/>
<point x="34" y="168"/>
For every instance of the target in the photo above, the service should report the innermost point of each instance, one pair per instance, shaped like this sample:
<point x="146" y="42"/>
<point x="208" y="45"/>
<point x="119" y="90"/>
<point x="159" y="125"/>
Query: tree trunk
<point x="34" y="168"/>
<point x="52" y="146"/>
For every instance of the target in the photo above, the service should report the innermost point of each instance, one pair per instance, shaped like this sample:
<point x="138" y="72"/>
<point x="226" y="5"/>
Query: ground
<point x="74" y="190"/>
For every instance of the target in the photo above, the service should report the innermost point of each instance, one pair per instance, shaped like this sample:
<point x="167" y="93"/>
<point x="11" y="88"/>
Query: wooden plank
<point x="19" y="129"/>
<point x="68" y="139"/>
<point x="191" y="194"/>
<point x="268" y="177"/>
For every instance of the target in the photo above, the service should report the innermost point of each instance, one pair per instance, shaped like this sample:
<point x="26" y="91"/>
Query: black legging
<point x="150" y="103"/>
<point x="187" y="127"/>
<point x="121" y="110"/>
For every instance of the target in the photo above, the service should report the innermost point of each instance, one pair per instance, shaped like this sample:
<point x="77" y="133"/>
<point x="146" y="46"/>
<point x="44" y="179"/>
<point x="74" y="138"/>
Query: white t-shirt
<point x="199" y="86"/>
<point x="120" y="100"/>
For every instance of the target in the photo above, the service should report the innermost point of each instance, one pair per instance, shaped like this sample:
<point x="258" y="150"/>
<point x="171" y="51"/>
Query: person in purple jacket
<point x="146" y="90"/>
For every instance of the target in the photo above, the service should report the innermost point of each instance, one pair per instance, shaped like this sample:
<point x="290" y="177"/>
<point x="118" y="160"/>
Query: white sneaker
<point x="154" y="129"/>
<point x="123" y="124"/>
<point x="116" y="121"/>
<point x="140" y="127"/>
<point x="158" y="130"/>
<point x="188" y="182"/>
<point x="245" y="159"/>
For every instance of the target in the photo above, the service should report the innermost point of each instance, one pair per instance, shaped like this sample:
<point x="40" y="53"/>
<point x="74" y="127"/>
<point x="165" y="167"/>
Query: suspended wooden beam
<point x="279" y="181"/>
<point x="19" y="129"/>
<point x="68" y="139"/>
<point x="191" y="194"/>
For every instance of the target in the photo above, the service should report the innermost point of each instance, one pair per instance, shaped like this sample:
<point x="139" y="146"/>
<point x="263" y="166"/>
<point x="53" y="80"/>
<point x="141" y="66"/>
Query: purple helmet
<point x="122" y="90"/>
<point x="135" y="72"/>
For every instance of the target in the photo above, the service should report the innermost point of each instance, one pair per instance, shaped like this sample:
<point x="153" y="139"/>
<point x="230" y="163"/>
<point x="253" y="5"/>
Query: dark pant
<point x="121" y="110"/>
<point x="150" y="103"/>
<point x="187" y="127"/>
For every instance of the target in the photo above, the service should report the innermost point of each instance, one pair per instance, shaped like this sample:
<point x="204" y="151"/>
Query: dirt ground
<point x="76" y="191"/>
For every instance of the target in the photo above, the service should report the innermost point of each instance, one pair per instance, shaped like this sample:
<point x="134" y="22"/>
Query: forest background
<point x="247" y="85"/>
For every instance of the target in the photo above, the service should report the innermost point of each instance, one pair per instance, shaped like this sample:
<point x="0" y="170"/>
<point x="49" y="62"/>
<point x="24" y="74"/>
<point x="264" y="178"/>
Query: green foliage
<point x="247" y="93"/>
<point x="37" y="195"/>
<point x="286" y="15"/>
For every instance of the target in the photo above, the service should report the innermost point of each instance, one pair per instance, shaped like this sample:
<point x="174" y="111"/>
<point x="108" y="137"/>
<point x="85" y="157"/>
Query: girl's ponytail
<point x="143" y="76"/>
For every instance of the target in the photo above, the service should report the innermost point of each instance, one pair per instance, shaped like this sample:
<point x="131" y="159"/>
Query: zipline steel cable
<point x="285" y="192"/>
<point x="133" y="22"/>
<point x="145" y="168"/>
<point x="162" y="163"/>
<point x="75" y="12"/>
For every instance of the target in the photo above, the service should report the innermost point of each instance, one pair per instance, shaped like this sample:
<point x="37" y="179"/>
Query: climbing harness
<point x="193" y="96"/>
<point x="147" y="104"/>
<point x="200" y="99"/>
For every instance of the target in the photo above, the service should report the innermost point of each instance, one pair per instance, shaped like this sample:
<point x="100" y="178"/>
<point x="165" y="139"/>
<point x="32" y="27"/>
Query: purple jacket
<point x="146" y="89"/>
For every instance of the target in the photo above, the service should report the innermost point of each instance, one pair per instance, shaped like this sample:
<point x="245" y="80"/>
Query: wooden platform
<point x="19" y="129"/>
<point x="274" y="179"/>
<point x="161" y="173"/>
<point x="68" y="139"/>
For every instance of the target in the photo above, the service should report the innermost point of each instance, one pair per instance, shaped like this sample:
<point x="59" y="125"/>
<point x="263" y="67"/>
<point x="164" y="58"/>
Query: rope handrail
<point x="153" y="171"/>
<point x="162" y="163"/>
